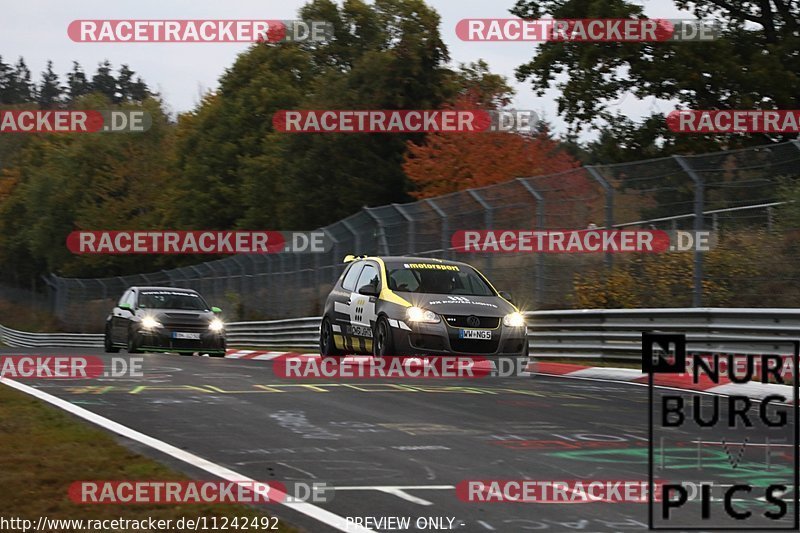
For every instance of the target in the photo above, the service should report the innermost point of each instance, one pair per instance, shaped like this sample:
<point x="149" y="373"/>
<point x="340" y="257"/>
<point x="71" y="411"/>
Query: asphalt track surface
<point x="397" y="449"/>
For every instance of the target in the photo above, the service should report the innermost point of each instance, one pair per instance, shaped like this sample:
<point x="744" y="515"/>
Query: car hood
<point x="461" y="305"/>
<point x="183" y="316"/>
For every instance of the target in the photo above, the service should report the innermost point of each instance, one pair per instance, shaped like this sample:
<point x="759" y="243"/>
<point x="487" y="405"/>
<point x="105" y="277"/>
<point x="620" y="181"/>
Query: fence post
<point x="445" y="227"/>
<point x="383" y="243"/>
<point x="412" y="229"/>
<point x="357" y="236"/>
<point x="488" y="222"/>
<point x="609" y="190"/>
<point x="539" y="265"/>
<point x="336" y="251"/>
<point x="699" y="191"/>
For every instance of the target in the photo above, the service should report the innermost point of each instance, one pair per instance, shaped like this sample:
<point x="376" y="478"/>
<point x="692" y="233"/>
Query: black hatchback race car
<point x="165" y="319"/>
<point x="415" y="306"/>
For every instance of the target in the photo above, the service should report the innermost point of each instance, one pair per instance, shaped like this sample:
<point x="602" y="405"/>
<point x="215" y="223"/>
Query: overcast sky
<point x="181" y="72"/>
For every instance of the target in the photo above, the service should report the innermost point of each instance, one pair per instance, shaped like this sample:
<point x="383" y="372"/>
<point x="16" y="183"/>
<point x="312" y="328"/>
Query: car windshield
<point x="437" y="278"/>
<point x="171" y="300"/>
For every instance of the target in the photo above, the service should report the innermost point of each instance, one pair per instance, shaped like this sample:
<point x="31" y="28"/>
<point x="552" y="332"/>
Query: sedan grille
<point x="468" y="321"/>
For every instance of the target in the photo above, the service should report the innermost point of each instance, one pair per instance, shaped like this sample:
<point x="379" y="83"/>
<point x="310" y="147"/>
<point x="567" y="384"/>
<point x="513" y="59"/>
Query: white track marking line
<point x="400" y="491"/>
<point x="326" y="517"/>
<point x="402" y="487"/>
<point x="406" y="496"/>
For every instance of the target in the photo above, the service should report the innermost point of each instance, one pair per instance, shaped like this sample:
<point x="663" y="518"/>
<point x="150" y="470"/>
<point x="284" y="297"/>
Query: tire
<point x="107" y="342"/>
<point x="382" y="341"/>
<point x="133" y="342"/>
<point x="327" y="346"/>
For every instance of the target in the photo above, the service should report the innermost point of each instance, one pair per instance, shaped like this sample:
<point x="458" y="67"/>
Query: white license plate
<point x="480" y="334"/>
<point x="182" y="335"/>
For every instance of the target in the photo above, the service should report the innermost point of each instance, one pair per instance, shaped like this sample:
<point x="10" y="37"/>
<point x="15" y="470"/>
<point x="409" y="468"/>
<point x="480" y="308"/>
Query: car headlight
<point x="149" y="322"/>
<point x="216" y="325"/>
<point x="514" y="320"/>
<point x="417" y="314"/>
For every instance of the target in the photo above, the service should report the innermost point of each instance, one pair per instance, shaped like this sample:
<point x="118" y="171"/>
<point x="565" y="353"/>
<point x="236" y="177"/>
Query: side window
<point x="349" y="282"/>
<point x="132" y="299"/>
<point x="123" y="298"/>
<point x="369" y="276"/>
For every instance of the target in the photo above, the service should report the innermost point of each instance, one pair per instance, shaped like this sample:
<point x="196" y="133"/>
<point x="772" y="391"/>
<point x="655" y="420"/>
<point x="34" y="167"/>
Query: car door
<point x="342" y="296"/>
<point x="361" y="309"/>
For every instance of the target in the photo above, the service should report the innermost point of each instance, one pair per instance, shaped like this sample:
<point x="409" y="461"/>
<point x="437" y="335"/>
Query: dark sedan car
<point x="165" y="319"/>
<point x="412" y="305"/>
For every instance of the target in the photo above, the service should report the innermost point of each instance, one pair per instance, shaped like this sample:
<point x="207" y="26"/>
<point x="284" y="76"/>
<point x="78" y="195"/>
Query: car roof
<point x="408" y="259"/>
<point x="173" y="289"/>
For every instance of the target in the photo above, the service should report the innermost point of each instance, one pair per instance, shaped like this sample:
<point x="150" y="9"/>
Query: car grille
<point x="183" y="322"/>
<point x="189" y="328"/>
<point x="460" y="321"/>
<point x="473" y="346"/>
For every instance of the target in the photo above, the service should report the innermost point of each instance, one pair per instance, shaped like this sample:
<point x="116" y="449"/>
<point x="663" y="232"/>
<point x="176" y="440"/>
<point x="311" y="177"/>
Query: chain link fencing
<point x="738" y="194"/>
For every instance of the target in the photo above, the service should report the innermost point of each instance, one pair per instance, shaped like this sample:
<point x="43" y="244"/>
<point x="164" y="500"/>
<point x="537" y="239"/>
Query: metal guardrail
<point x="617" y="333"/>
<point x="288" y="333"/>
<point x="24" y="339"/>
<point x="588" y="333"/>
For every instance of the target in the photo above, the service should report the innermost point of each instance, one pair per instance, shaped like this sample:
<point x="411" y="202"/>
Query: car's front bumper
<point x="443" y="339"/>
<point x="164" y="340"/>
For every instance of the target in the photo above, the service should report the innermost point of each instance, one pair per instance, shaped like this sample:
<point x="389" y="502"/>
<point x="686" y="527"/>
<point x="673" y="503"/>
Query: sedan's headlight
<point x="216" y="325"/>
<point x="417" y="314"/>
<point x="149" y="322"/>
<point x="514" y="320"/>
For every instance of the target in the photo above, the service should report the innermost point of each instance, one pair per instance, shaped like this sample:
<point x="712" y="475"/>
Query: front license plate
<point x="480" y="334"/>
<point x="182" y="335"/>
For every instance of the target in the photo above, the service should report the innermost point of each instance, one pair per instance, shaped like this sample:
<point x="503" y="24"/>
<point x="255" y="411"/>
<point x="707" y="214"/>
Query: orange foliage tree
<point x="450" y="162"/>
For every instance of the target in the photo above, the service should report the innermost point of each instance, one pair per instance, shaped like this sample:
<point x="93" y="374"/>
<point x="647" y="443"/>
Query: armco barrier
<point x="288" y="333"/>
<point x="24" y="339"/>
<point x="617" y="333"/>
<point x="587" y="333"/>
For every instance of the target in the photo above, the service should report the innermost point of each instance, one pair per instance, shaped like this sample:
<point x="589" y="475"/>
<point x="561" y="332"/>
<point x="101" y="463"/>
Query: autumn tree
<point x="450" y="162"/>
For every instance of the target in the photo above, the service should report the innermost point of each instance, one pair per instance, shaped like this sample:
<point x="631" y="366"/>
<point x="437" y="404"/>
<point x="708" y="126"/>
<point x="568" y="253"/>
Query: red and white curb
<point x="256" y="354"/>
<point x="755" y="390"/>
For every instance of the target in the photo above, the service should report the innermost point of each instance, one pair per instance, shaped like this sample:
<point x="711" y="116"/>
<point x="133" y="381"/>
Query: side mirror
<point x="126" y="307"/>
<point x="368" y="290"/>
<point x="507" y="296"/>
<point x="216" y="310"/>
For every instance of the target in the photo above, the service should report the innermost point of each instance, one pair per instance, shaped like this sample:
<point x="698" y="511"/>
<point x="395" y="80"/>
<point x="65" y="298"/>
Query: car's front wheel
<point x="108" y="341"/>
<point x="327" y="346"/>
<point x="134" y="342"/>
<point x="382" y="343"/>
